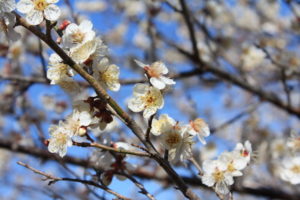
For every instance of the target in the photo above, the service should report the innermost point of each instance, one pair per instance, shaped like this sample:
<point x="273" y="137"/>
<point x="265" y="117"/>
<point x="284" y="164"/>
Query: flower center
<point x="78" y="37"/>
<point x="149" y="99"/>
<point x="40" y="5"/>
<point x="218" y="175"/>
<point x="106" y="77"/>
<point x="173" y="139"/>
<point x="230" y="167"/>
<point x="62" y="139"/>
<point x="296" y="169"/>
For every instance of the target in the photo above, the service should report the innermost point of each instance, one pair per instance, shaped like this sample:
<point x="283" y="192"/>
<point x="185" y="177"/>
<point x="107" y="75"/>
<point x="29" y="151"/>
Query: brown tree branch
<point x="192" y="181"/>
<point x="135" y="128"/>
<point x="262" y="94"/>
<point x="53" y="179"/>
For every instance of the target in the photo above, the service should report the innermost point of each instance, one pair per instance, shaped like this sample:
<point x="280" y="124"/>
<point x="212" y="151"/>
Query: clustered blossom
<point x="290" y="170"/>
<point x="176" y="138"/>
<point x="252" y="57"/>
<point x="37" y="10"/>
<point x="81" y="42"/>
<point x="220" y="173"/>
<point x="149" y="98"/>
<point x="82" y="45"/>
<point x="89" y="113"/>
<point x="286" y="158"/>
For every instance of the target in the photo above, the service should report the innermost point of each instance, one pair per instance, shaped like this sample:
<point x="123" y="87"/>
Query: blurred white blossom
<point x="36" y="10"/>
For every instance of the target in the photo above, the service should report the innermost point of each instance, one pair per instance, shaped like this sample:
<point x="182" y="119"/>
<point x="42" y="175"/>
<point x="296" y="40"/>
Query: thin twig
<point x="140" y="186"/>
<point x="111" y="149"/>
<point x="53" y="179"/>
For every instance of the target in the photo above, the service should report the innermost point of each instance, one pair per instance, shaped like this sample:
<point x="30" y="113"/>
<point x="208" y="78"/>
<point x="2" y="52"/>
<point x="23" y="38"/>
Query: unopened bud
<point x="64" y="25"/>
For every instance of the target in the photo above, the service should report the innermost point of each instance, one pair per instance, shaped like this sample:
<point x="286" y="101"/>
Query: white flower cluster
<point x="178" y="139"/>
<point x="82" y="45"/>
<point x="61" y="135"/>
<point x="252" y="57"/>
<point x="220" y="173"/>
<point x="87" y="114"/>
<point x="149" y="98"/>
<point x="286" y="158"/>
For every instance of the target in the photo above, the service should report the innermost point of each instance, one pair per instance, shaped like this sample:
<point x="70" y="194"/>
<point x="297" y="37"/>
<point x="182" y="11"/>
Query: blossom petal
<point x="140" y="89"/>
<point x="156" y="82"/>
<point x="140" y="64"/>
<point x="34" y="17"/>
<point x="222" y="188"/>
<point x="52" y="1"/>
<point x="7" y="6"/>
<point x="52" y="12"/>
<point x="136" y="104"/>
<point x="149" y="111"/>
<point x="167" y="81"/>
<point x="25" y="6"/>
<point x="86" y="25"/>
<point x="208" y="180"/>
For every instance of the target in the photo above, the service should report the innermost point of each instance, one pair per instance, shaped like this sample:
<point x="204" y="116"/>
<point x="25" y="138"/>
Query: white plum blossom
<point x="61" y="74"/>
<point x="78" y="122"/>
<point x="278" y="147"/>
<point x="146" y="98"/>
<point x="215" y="174"/>
<point x="163" y="123"/>
<point x="244" y="151"/>
<point x="173" y="137"/>
<point x="82" y="53"/>
<point x="107" y="74"/>
<point x="219" y="173"/>
<point x="290" y="170"/>
<point x="75" y="35"/>
<point x="200" y="128"/>
<point x="183" y="150"/>
<point x="60" y="139"/>
<point x="36" y="10"/>
<point x="234" y="163"/>
<point x="58" y="70"/>
<point x="294" y="142"/>
<point x="156" y="72"/>
<point x="252" y="57"/>
<point x="7" y="6"/>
